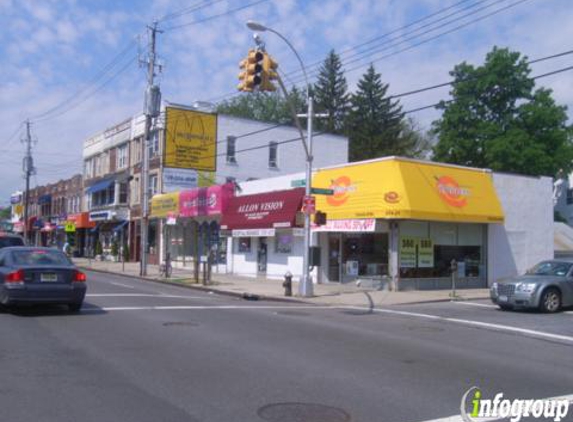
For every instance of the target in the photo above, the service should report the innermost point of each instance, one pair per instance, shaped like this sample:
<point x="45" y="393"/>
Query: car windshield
<point x="39" y="257"/>
<point x="551" y="268"/>
<point x="10" y="241"/>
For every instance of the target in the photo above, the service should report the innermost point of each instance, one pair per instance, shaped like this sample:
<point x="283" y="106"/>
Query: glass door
<point x="334" y="257"/>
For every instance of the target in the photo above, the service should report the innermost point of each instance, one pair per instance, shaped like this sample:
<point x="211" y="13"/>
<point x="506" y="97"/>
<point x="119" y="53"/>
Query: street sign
<point x="308" y="204"/>
<point x="322" y="191"/>
<point x="298" y="183"/>
<point x="70" y="227"/>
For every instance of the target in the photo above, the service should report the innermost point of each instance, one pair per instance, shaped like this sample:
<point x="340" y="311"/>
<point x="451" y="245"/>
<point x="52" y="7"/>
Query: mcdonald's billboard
<point x="190" y="139"/>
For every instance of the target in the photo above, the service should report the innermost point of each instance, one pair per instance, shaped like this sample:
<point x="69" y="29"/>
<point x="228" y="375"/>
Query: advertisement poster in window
<point x="425" y="253"/>
<point x="408" y="252"/>
<point x="190" y="139"/>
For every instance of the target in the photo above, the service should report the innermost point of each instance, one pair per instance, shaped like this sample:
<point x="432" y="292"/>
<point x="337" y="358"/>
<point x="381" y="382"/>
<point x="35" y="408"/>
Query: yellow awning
<point x="400" y="188"/>
<point x="164" y="204"/>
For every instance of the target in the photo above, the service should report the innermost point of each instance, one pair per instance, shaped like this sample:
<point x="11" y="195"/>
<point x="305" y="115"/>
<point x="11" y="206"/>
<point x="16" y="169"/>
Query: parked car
<point x="548" y="286"/>
<point x="30" y="275"/>
<point x="7" y="240"/>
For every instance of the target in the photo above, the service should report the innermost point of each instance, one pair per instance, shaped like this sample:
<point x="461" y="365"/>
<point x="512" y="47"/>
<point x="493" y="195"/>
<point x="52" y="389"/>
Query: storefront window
<point x="365" y="254"/>
<point x="244" y="244"/>
<point x="427" y="252"/>
<point x="283" y="243"/>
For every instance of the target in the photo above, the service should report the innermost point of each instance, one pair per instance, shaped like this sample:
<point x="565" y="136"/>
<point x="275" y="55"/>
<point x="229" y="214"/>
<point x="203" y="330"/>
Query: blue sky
<point x="77" y="60"/>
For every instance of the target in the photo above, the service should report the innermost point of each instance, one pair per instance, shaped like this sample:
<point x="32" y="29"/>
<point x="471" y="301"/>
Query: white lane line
<point x="495" y="327"/>
<point x="481" y="305"/>
<point x="144" y="295"/>
<point x="121" y="285"/>
<point x="458" y="418"/>
<point x="201" y="307"/>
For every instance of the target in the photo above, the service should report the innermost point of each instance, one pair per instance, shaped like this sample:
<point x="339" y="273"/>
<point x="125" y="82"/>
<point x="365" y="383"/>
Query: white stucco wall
<point x="526" y="237"/>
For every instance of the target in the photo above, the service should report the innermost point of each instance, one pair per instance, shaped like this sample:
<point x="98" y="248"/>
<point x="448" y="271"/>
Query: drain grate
<point x="302" y="412"/>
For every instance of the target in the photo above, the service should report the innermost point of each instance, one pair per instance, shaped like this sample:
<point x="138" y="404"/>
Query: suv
<point x="10" y="240"/>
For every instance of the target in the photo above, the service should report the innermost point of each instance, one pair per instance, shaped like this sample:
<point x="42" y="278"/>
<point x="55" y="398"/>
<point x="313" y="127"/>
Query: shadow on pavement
<point x="51" y="310"/>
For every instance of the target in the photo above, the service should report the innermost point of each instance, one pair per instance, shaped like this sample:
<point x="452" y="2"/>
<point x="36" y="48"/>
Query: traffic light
<point x="252" y="69"/>
<point x="320" y="218"/>
<point x="269" y="73"/>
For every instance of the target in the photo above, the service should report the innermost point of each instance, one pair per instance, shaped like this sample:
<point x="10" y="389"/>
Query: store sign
<point x="451" y="192"/>
<point x="16" y="198"/>
<point x="178" y="179"/>
<point x="164" y="205"/>
<point x="416" y="252"/>
<point x="408" y="252"/>
<point x="343" y="188"/>
<point x="266" y="210"/>
<point x="190" y="139"/>
<point x="205" y="201"/>
<point x="100" y="216"/>
<point x="253" y="233"/>
<point x="425" y="253"/>
<point x="358" y="225"/>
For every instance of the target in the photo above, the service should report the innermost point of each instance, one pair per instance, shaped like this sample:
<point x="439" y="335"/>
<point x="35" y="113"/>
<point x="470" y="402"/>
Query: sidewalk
<point x="325" y="294"/>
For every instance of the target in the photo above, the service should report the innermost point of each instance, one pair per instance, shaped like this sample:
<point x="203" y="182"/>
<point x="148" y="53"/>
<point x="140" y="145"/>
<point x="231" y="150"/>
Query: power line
<point x="229" y="12"/>
<point x="371" y="60"/>
<point x="65" y="104"/>
<point x="188" y="10"/>
<point x="91" y="94"/>
<point x="554" y="72"/>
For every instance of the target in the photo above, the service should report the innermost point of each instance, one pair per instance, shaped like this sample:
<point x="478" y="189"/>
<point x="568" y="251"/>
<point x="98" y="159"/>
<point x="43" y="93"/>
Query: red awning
<point x="265" y="210"/>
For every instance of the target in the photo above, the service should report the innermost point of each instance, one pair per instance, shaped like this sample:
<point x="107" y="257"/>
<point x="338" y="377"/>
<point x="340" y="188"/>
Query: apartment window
<point x="136" y="151"/>
<point x="569" y="196"/>
<point x="154" y="144"/>
<point x="135" y="190"/>
<point x="123" y="193"/>
<point x="121" y="157"/>
<point x="273" y="157"/>
<point x="153" y="187"/>
<point x="231" y="158"/>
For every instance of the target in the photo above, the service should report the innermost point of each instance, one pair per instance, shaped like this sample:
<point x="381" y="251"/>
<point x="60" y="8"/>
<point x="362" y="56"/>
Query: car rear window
<point x="10" y="241"/>
<point x="40" y="257"/>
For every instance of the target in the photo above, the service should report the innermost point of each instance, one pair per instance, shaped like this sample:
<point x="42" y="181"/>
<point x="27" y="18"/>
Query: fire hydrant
<point x="287" y="284"/>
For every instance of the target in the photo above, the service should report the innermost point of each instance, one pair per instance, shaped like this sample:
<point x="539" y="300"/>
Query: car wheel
<point x="550" y="301"/>
<point x="74" y="307"/>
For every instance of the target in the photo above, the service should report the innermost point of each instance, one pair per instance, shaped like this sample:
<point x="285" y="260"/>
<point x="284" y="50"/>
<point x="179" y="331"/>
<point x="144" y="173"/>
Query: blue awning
<point x="44" y="199"/>
<point x="99" y="186"/>
<point x="120" y="226"/>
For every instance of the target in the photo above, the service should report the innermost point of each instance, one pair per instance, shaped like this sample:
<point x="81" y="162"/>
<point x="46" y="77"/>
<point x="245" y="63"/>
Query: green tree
<point x="331" y="96"/>
<point x="265" y="107"/>
<point x="497" y="120"/>
<point x="5" y="213"/>
<point x="376" y="126"/>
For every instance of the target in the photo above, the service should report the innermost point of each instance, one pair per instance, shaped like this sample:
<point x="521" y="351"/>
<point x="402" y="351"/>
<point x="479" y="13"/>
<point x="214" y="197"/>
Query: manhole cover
<point x="292" y="313"/>
<point x="426" y="329"/>
<point x="302" y="412"/>
<point x="180" y="324"/>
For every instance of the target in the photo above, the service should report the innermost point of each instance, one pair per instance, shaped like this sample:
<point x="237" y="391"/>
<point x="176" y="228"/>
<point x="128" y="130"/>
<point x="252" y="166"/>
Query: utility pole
<point x="151" y="110"/>
<point x="28" y="167"/>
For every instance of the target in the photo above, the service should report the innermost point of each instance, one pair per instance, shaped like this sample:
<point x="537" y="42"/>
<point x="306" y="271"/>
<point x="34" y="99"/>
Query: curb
<point x="243" y="295"/>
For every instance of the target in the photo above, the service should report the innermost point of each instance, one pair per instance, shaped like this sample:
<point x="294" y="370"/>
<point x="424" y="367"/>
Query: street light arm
<point x="297" y="56"/>
<point x="295" y="117"/>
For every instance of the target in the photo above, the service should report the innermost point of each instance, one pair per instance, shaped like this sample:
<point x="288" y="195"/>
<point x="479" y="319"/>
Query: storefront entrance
<point x="357" y="255"/>
<point x="334" y="253"/>
<point x="262" y="256"/>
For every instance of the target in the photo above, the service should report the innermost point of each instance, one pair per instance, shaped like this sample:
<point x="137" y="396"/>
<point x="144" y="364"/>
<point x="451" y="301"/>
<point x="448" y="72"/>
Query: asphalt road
<point x="141" y="351"/>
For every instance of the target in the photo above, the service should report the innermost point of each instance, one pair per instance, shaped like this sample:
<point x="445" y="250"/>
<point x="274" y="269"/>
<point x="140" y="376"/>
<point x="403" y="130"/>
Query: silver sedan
<point x="548" y="287"/>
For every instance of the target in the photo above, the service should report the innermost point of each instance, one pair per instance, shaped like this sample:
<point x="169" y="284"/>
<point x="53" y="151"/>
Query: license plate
<point x="502" y="298"/>
<point x="49" y="277"/>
